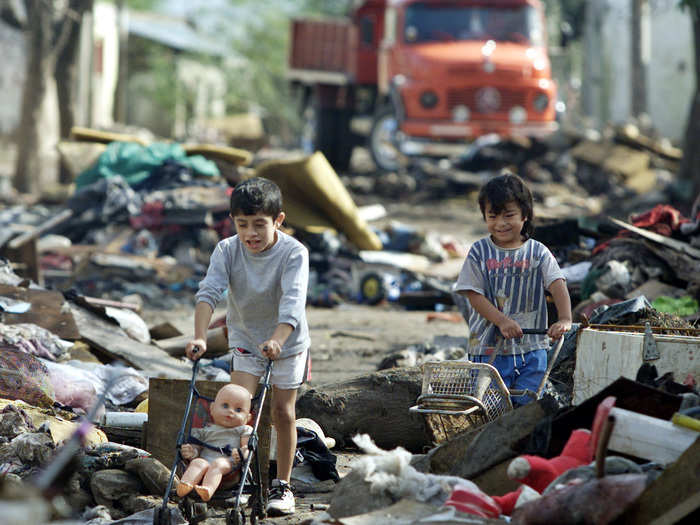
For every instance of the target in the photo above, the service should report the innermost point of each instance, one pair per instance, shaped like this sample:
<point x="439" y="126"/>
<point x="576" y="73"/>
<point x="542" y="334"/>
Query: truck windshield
<point x="430" y="22"/>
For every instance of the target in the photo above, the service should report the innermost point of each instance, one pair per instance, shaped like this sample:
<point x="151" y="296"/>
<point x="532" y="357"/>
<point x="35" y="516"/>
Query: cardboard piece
<point x="61" y="429"/>
<point x="47" y="311"/>
<point x="316" y="199"/>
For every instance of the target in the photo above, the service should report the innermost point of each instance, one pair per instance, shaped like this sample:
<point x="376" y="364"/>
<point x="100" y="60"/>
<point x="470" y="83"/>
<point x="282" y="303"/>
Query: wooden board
<point x="649" y="438"/>
<point x="167" y="400"/>
<point x="27" y="258"/>
<point x="673" y="496"/>
<point x="112" y="340"/>
<point x="46" y="311"/>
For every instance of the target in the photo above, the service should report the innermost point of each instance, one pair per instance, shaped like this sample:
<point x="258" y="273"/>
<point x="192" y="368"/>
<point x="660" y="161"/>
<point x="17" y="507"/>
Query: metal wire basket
<point x="457" y="396"/>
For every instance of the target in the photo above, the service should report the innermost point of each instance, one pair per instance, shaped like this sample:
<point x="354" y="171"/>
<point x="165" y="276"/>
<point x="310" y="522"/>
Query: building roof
<point x="172" y="32"/>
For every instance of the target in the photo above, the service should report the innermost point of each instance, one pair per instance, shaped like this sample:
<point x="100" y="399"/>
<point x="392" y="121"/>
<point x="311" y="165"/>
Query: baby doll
<point x="230" y="413"/>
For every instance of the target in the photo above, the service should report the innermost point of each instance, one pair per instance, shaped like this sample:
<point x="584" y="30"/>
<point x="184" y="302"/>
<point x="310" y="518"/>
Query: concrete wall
<point x="11" y="77"/>
<point x="672" y="81"/>
<point x="105" y="63"/>
<point x="607" y="64"/>
<point x="205" y="85"/>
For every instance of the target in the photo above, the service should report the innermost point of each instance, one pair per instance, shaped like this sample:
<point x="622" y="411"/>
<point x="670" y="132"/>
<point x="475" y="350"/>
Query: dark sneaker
<point x="281" y="500"/>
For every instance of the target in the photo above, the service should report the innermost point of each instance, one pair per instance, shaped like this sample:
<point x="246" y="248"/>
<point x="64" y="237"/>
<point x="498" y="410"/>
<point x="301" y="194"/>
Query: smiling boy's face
<point x="257" y="232"/>
<point x="506" y="225"/>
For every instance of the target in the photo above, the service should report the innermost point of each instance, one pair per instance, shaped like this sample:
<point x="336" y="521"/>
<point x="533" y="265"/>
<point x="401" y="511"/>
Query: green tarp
<point x="135" y="162"/>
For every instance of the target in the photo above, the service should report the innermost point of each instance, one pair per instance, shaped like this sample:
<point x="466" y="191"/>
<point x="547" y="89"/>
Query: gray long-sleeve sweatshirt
<point x="264" y="290"/>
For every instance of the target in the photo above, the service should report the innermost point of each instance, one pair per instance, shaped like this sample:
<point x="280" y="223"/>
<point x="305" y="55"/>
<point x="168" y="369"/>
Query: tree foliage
<point x="258" y="35"/>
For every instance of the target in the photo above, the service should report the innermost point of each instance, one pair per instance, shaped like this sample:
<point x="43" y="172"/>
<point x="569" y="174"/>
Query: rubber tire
<point x="382" y="119"/>
<point x="372" y="288"/>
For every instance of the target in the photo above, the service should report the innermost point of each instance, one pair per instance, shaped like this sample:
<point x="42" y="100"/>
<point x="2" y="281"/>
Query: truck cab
<point x="451" y="71"/>
<point x="426" y="76"/>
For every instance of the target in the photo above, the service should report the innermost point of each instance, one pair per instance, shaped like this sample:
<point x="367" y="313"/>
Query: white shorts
<point x="288" y="373"/>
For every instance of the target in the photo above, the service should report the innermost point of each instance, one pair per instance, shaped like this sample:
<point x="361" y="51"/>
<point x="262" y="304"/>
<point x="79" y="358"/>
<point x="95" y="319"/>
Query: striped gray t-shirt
<point x="514" y="280"/>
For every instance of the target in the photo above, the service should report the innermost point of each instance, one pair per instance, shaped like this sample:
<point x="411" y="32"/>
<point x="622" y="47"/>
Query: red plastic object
<point x="465" y="499"/>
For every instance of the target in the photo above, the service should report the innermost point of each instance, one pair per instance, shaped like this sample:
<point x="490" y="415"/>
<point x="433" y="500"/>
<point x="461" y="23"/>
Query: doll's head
<point x="231" y="407"/>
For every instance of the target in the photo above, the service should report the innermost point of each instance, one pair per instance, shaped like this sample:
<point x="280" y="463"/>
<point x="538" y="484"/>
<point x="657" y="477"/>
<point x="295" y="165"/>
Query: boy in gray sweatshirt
<point x="266" y="273"/>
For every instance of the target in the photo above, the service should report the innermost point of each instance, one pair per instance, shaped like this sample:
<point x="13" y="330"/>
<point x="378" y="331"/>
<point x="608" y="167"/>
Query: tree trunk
<point x="690" y="166"/>
<point x="67" y="76"/>
<point x="376" y="404"/>
<point x="640" y="56"/>
<point x="40" y="66"/>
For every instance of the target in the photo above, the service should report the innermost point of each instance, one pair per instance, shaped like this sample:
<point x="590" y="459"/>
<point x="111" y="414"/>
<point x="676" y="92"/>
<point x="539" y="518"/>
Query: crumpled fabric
<point x="136" y="162"/>
<point x="23" y="376"/>
<point x="106" y="200"/>
<point x="33" y="339"/>
<point x="392" y="472"/>
<point x="662" y="219"/>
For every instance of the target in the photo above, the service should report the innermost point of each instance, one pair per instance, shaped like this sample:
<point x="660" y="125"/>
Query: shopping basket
<point x="457" y="396"/>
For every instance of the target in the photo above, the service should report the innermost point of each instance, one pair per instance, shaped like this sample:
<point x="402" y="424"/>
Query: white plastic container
<point x="604" y="356"/>
<point x="124" y="419"/>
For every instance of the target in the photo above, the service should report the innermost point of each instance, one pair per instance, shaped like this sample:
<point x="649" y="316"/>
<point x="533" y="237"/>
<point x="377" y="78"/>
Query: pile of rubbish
<point x="136" y="234"/>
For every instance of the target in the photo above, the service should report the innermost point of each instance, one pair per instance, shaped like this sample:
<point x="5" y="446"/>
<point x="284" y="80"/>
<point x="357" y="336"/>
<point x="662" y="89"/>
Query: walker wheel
<point x="161" y="515"/>
<point x="235" y="517"/>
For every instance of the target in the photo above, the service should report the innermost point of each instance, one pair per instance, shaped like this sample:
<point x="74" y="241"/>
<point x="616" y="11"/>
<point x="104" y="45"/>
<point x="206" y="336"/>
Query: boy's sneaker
<point x="281" y="500"/>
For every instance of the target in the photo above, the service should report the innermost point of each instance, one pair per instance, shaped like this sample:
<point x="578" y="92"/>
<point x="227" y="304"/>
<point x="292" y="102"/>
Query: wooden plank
<point x="47" y="311"/>
<point x="112" y="340"/>
<point x="34" y="233"/>
<point x="684" y="266"/>
<point x="167" y="400"/>
<point x="671" y="497"/>
<point x="26" y="255"/>
<point x="164" y="330"/>
<point x="217" y="343"/>
<point x="680" y="246"/>
<point x="649" y="438"/>
<point x="475" y="452"/>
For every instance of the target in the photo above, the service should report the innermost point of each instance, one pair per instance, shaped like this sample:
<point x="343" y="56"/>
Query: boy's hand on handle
<point x="558" y="329"/>
<point x="510" y="329"/>
<point x="187" y="451"/>
<point x="195" y="349"/>
<point x="270" y="349"/>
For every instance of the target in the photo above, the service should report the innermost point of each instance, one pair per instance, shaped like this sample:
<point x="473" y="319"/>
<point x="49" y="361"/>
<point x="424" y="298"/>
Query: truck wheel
<point x="327" y="130"/>
<point x="382" y="141"/>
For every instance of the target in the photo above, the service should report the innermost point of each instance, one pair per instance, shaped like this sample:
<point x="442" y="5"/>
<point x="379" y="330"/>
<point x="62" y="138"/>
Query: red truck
<point x="427" y="76"/>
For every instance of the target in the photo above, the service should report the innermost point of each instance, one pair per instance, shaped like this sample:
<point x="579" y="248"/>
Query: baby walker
<point x="229" y="496"/>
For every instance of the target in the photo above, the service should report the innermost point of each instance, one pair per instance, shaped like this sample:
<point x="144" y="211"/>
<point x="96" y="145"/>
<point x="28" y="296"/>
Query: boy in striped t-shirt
<point x="504" y="278"/>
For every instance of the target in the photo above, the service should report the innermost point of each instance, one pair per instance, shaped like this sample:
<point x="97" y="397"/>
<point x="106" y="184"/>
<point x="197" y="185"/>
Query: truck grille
<point x="486" y="100"/>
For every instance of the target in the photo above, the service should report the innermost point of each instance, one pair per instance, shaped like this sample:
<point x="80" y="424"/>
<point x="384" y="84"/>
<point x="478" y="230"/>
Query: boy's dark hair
<point x="256" y="195"/>
<point x="506" y="188"/>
